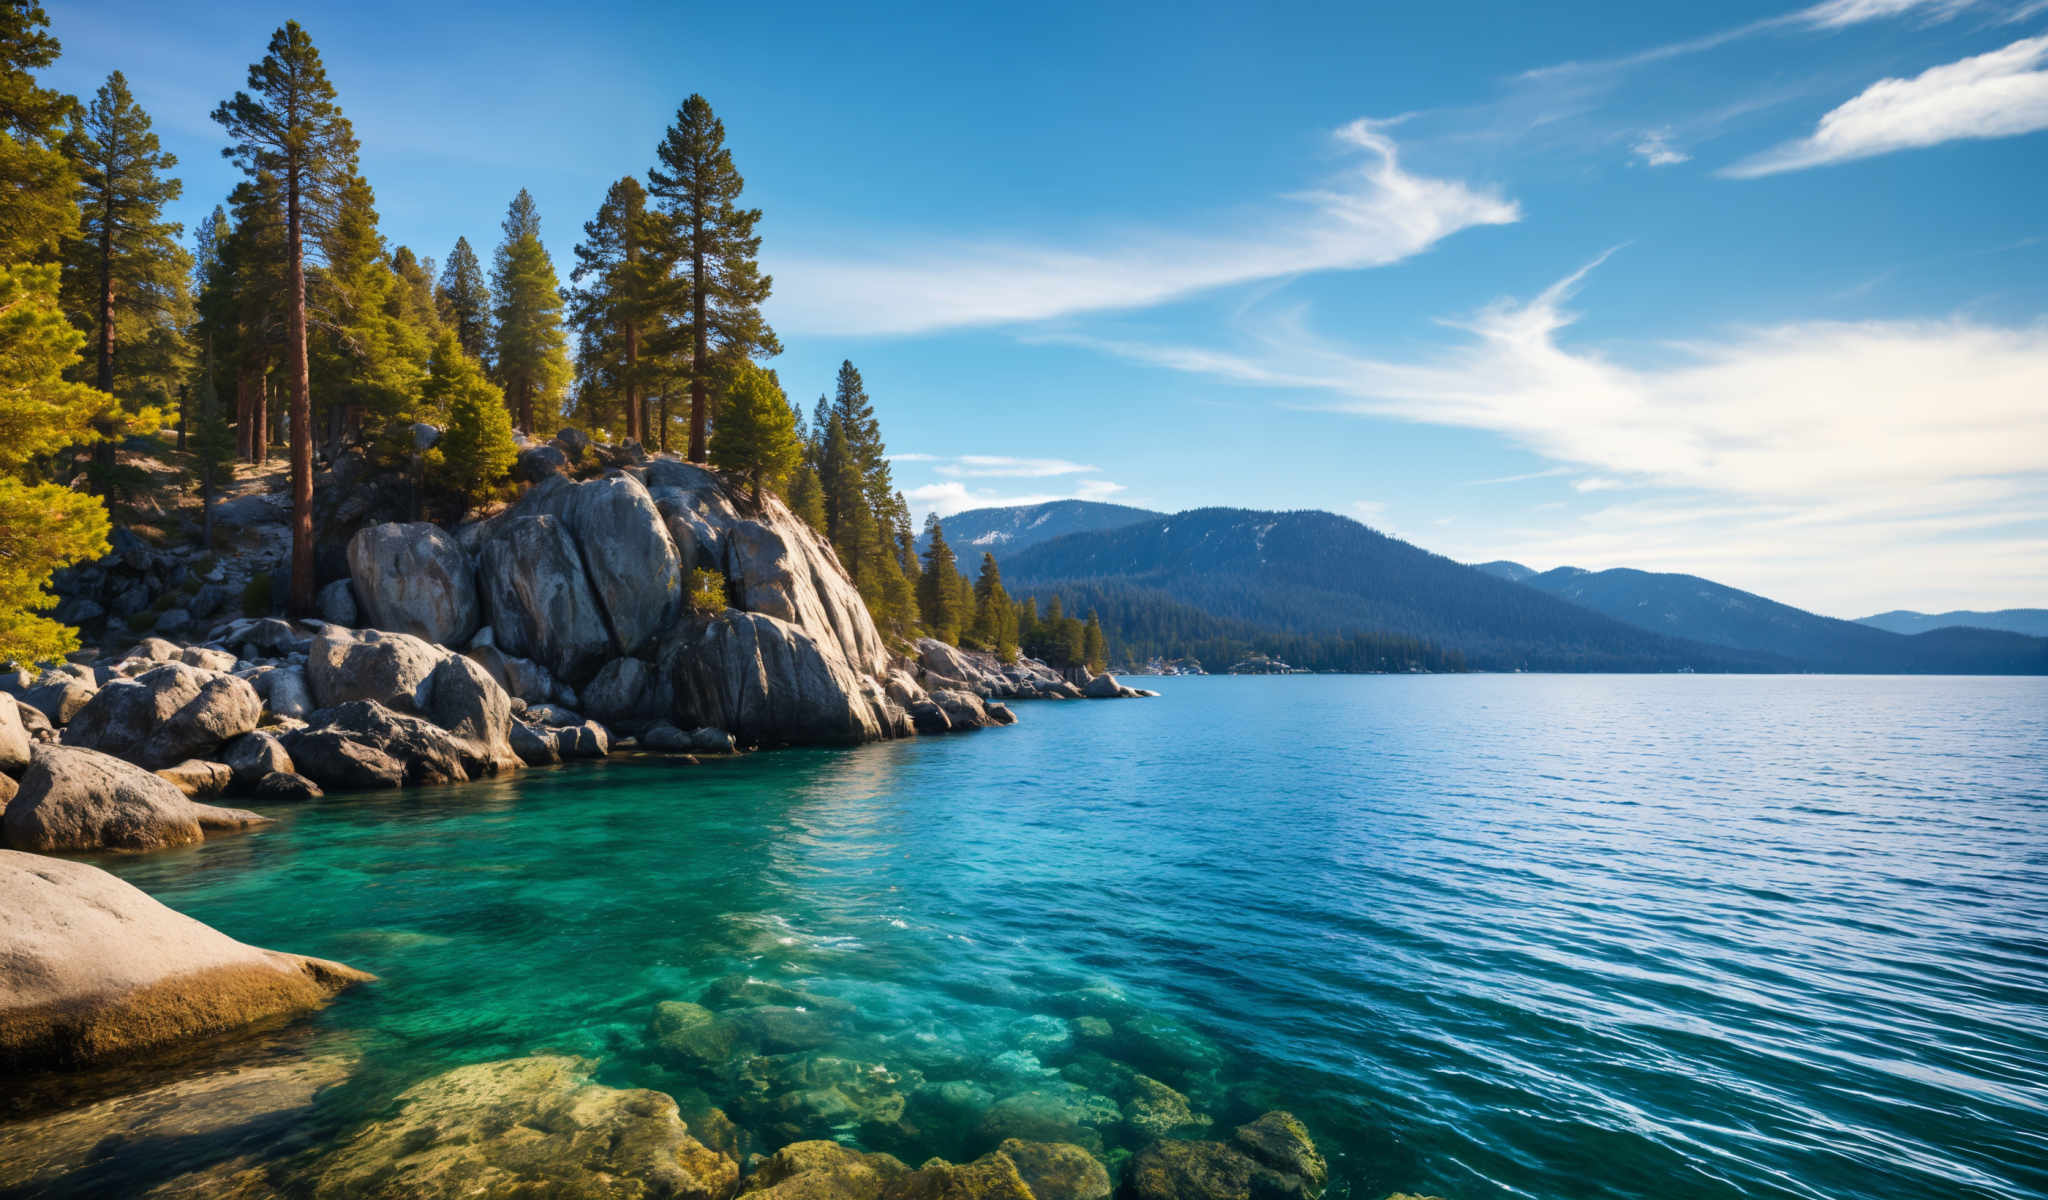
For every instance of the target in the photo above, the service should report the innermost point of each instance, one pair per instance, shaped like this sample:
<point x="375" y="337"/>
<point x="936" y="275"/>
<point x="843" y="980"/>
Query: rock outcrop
<point x="165" y="715"/>
<point x="72" y="799"/>
<point x="96" y="969"/>
<point x="415" y="579"/>
<point x="525" y="1127"/>
<point x="539" y="600"/>
<point x="767" y="681"/>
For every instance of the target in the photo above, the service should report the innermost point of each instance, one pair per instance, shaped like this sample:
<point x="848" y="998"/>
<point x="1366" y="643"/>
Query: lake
<point x="1683" y="937"/>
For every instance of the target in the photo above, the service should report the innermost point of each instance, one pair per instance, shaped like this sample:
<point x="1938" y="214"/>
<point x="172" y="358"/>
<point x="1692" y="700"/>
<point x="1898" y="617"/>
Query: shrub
<point x="707" y="592"/>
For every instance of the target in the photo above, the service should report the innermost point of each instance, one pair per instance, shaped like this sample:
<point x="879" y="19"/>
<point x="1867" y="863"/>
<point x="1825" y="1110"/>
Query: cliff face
<point x="580" y="596"/>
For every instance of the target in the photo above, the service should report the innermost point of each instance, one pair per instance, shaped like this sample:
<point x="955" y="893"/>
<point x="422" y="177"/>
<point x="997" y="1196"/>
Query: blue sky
<point x="1753" y="291"/>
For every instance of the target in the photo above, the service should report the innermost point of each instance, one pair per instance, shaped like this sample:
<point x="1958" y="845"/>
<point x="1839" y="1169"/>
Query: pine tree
<point x="212" y="445"/>
<point x="369" y="357"/>
<point x="477" y="448"/>
<point x="756" y="431"/>
<point x="529" y="349"/>
<point x="465" y="300"/>
<point x="711" y="243"/>
<point x="292" y="132"/>
<point x="125" y="273"/>
<point x="995" y="618"/>
<point x="37" y="202"/>
<point x="616" y="304"/>
<point x="1094" y="646"/>
<point x="938" y="595"/>
<point x="243" y="310"/>
<point x="807" y="496"/>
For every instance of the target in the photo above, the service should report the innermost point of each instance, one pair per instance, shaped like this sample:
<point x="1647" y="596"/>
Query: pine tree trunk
<point x="633" y="410"/>
<point x="700" y="401"/>
<point x="301" y="403"/>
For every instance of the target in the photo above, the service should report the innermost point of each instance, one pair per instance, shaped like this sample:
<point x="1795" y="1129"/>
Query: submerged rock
<point x="97" y="969"/>
<point x="72" y="799"/>
<point x="525" y="1127"/>
<point x="822" y="1170"/>
<point x="1271" y="1158"/>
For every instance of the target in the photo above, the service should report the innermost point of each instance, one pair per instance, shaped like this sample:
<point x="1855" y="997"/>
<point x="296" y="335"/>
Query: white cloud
<point x="1825" y="17"/>
<point x="1826" y="451"/>
<point x="976" y="466"/>
<point x="1999" y="94"/>
<point x="1374" y="213"/>
<point x="951" y="496"/>
<point x="1547" y="473"/>
<point x="1656" y="150"/>
<point x="1595" y="483"/>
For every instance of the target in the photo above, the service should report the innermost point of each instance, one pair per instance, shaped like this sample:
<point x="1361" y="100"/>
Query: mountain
<point x="1008" y="530"/>
<point x="1315" y="575"/>
<point x="2030" y="621"/>
<point x="1701" y="610"/>
<point x="1513" y="572"/>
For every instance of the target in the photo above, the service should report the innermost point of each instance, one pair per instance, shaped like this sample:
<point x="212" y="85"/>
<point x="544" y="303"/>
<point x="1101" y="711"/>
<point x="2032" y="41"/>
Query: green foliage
<point x="464" y="300"/>
<point x="994" y="626"/>
<point x="477" y="449"/>
<point x="258" y="599"/>
<point x="37" y="209"/>
<point x="707" y="592"/>
<point x="618" y="305"/>
<point x="1094" y="646"/>
<point x="124" y="279"/>
<point x="710" y="241"/>
<point x="370" y="352"/>
<point x="943" y="596"/>
<point x="806" y="496"/>
<point x="529" y="349"/>
<point x="756" y="431"/>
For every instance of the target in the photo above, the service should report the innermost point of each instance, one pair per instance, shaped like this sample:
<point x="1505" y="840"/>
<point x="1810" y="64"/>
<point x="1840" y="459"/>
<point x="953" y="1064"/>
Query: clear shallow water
<point x="1489" y="936"/>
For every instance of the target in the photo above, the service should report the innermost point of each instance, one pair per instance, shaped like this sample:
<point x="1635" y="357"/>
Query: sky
<point x="1750" y="291"/>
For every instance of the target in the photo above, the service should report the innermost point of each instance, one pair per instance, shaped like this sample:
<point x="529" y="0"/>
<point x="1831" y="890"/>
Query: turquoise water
<point x="1489" y="936"/>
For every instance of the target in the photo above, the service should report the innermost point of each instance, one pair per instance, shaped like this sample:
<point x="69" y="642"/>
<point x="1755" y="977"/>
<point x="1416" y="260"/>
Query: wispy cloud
<point x="976" y="466"/>
<point x="1526" y="476"/>
<point x="1655" y="149"/>
<point x="951" y="496"/>
<point x="1374" y="213"/>
<point x="1999" y="94"/>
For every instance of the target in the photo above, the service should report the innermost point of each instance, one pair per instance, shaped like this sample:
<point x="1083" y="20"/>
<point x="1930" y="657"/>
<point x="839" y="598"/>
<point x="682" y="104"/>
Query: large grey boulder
<point x="521" y="677"/>
<point x="60" y="696"/>
<point x="14" y="744"/>
<point x="73" y="799"/>
<point x="337" y="604"/>
<point x="98" y="970"/>
<point x="285" y="691"/>
<point x="462" y="698"/>
<point x="370" y="664"/>
<point x="539" y="600"/>
<point x="363" y="745"/>
<point x="766" y="682"/>
<point x="780" y="566"/>
<point x="414" y="579"/>
<point x="165" y="715"/>
<point x="628" y="556"/>
<point x="626" y="690"/>
<point x="254" y="755"/>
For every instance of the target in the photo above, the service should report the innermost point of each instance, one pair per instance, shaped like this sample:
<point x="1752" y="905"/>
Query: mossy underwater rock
<point x="822" y="1170"/>
<point x="1271" y="1158"/>
<point x="525" y="1127"/>
<point x="95" y="969"/>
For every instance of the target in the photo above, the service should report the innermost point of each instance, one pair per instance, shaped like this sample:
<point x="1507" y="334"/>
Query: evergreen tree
<point x="369" y="353"/>
<point x="615" y="306"/>
<point x="125" y="273"/>
<point x="529" y="349"/>
<point x="848" y="523"/>
<point x="212" y="445"/>
<point x="291" y="132"/>
<point x="756" y="431"/>
<point x="465" y="300"/>
<point x="244" y="321"/>
<point x="807" y="496"/>
<point x="938" y="594"/>
<point x="711" y="243"/>
<point x="43" y="526"/>
<point x="37" y="203"/>
<point x="477" y="448"/>
<point x="1094" y="646"/>
<point x="995" y="618"/>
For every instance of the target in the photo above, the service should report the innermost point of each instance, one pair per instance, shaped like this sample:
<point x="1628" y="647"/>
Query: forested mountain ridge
<point x="2030" y="621"/>
<point x="1688" y="606"/>
<point x="1318" y="575"/>
<point x="1005" y="531"/>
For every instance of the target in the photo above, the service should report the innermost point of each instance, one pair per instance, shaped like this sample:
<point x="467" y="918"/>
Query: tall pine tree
<point x="465" y="300"/>
<point x="756" y="431"/>
<point x="939" y="590"/>
<point x="125" y="273"/>
<point x="712" y="248"/>
<point x="37" y="207"/>
<point x="291" y="131"/>
<point x="615" y="305"/>
<point x="529" y="349"/>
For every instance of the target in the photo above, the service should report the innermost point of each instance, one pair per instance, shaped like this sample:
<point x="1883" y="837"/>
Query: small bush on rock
<point x="707" y="592"/>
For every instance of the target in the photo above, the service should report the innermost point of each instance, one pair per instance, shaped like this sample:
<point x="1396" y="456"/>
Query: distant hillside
<point x="1501" y="568"/>
<point x="1701" y="610"/>
<point x="1008" y="530"/>
<point x="1315" y="574"/>
<point x="2032" y="622"/>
